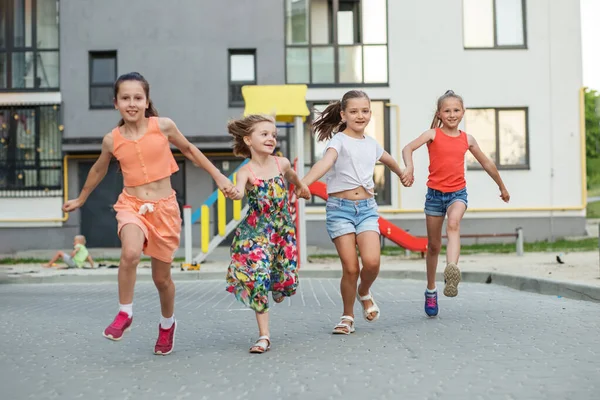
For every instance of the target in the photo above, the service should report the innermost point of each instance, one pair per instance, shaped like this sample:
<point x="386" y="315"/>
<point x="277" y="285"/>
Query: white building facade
<point x="516" y="63"/>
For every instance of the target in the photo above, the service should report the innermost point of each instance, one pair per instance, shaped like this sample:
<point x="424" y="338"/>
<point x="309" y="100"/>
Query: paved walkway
<point x="488" y="343"/>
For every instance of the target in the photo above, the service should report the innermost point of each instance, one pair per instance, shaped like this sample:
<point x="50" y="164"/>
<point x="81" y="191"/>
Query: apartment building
<point x="517" y="64"/>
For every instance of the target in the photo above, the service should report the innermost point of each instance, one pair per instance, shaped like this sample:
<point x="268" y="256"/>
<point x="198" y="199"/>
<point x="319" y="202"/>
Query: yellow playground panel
<point x="287" y="103"/>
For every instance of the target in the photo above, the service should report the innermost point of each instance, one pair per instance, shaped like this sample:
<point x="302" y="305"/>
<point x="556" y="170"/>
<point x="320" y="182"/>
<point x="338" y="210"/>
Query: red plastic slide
<point x="387" y="229"/>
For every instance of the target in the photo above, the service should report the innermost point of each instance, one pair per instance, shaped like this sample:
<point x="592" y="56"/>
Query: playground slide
<point x="387" y="229"/>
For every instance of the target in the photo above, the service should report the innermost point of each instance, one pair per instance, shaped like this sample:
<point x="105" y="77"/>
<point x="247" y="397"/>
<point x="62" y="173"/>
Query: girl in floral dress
<point x="263" y="252"/>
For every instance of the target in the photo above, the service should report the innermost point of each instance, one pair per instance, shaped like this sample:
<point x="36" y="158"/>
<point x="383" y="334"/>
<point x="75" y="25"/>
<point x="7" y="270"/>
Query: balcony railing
<point x="31" y="178"/>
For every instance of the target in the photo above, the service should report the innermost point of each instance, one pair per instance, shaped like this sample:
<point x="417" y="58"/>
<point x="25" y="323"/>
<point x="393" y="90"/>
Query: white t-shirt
<point x="355" y="163"/>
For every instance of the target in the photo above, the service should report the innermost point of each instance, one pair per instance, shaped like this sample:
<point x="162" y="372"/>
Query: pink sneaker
<point x="166" y="340"/>
<point x="120" y="325"/>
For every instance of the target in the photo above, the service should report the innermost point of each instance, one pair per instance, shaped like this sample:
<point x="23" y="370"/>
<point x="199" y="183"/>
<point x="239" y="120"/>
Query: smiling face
<point x="451" y="112"/>
<point x="263" y="138"/>
<point x="131" y="101"/>
<point x="357" y="114"/>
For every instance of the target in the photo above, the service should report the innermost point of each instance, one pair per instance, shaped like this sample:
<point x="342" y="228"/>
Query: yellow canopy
<point x="283" y="101"/>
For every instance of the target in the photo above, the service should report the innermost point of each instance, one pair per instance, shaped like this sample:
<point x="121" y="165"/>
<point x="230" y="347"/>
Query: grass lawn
<point x="593" y="210"/>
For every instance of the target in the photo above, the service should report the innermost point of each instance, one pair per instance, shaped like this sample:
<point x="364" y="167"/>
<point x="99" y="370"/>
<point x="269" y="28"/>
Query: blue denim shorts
<point x="437" y="203"/>
<point x="350" y="216"/>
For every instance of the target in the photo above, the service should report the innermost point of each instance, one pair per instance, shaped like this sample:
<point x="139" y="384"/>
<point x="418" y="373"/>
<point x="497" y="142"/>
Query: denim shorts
<point x="437" y="203"/>
<point x="350" y="216"/>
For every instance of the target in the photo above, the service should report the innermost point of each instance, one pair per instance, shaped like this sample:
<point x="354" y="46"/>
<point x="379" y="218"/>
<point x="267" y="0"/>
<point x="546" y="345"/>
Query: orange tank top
<point x="147" y="159"/>
<point x="447" y="161"/>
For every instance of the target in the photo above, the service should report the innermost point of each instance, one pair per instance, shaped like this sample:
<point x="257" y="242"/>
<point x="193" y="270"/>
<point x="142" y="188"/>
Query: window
<point x="103" y="74"/>
<point x="29" y="55"/>
<point x="30" y="151"/>
<point x="378" y="128"/>
<point x="242" y="71"/>
<point x="333" y="42"/>
<point x="493" y="24"/>
<point x="502" y="135"/>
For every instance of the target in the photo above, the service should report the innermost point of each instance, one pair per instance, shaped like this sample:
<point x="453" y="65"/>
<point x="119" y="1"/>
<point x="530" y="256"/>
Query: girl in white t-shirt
<point x="352" y="219"/>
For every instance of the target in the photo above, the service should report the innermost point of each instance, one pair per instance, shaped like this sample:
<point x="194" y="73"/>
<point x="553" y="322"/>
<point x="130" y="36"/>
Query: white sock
<point x="167" y="323"/>
<point x="128" y="308"/>
<point x="431" y="290"/>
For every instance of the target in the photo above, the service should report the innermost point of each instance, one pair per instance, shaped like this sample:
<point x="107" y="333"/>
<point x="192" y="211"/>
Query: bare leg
<point x="370" y="254"/>
<point x="263" y="330"/>
<point x="346" y="248"/>
<point x="59" y="254"/>
<point x="132" y="239"/>
<point x="452" y="274"/>
<point x="161" y="274"/>
<point x="455" y="214"/>
<point x="434" y="246"/>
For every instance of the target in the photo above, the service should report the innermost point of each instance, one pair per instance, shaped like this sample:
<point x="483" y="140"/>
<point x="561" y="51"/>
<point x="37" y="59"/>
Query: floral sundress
<point x="263" y="251"/>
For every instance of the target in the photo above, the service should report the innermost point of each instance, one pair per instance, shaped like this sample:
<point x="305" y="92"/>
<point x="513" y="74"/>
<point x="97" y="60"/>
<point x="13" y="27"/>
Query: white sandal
<point x="343" y="328"/>
<point x="277" y="297"/>
<point x="260" y="346"/>
<point x="373" y="309"/>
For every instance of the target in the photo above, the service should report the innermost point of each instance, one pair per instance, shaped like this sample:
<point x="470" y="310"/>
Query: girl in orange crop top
<point x="446" y="189"/>
<point x="147" y="211"/>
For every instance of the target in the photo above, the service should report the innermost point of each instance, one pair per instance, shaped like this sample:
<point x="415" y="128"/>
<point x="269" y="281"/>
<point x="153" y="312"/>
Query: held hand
<point x="303" y="192"/>
<point x="407" y="178"/>
<point x="237" y="195"/>
<point x="504" y="195"/>
<point x="225" y="186"/>
<point x="72" y="205"/>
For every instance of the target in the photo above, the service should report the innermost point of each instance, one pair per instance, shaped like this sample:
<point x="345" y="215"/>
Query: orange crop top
<point x="147" y="159"/>
<point x="447" y="161"/>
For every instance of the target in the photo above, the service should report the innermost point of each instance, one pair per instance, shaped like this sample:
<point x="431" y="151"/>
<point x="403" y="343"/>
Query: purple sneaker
<point x="431" y="304"/>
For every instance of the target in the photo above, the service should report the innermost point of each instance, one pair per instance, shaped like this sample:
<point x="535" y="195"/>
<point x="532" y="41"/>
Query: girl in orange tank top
<point x="447" y="190"/>
<point x="147" y="211"/>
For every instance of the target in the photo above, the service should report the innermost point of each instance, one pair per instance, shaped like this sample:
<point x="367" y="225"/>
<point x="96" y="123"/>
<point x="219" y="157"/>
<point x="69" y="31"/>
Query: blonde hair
<point x="437" y="122"/>
<point x="81" y="238"/>
<point x="240" y="128"/>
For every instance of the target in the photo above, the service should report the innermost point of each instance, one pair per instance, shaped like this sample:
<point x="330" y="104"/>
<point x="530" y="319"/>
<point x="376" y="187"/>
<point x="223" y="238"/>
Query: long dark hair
<point x="437" y="122"/>
<point x="136" y="76"/>
<point x="329" y="121"/>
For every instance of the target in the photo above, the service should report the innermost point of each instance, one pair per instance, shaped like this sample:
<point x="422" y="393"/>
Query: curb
<point x="543" y="286"/>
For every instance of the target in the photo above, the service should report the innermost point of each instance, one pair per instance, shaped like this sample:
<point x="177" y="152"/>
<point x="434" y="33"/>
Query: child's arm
<point x="90" y="260"/>
<point x="489" y="167"/>
<point x="192" y="153"/>
<point x="321" y="167"/>
<point x="95" y="176"/>
<point x="389" y="161"/>
<point x="290" y="175"/>
<point x="407" y="151"/>
<point x="241" y="180"/>
<point x="76" y="249"/>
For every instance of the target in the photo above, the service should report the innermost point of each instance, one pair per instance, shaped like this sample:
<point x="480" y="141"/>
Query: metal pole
<point x="299" y="145"/>
<point x="520" y="245"/>
<point x="599" y="238"/>
<point x="187" y="233"/>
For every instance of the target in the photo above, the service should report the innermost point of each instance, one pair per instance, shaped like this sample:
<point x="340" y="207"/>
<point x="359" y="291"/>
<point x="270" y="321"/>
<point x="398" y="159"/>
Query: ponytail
<point x="329" y="121"/>
<point x="436" y="123"/>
